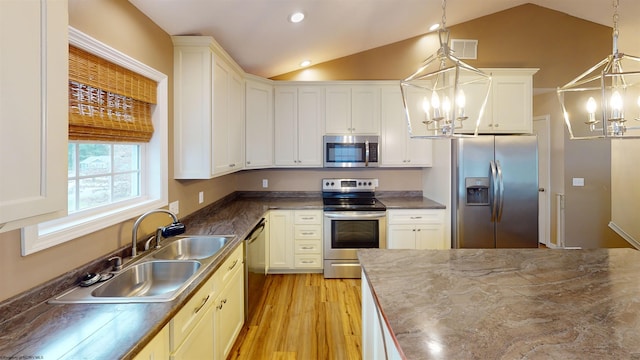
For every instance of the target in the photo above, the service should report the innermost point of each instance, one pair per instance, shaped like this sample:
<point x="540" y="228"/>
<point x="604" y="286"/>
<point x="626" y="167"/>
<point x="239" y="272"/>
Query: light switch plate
<point x="200" y="197"/>
<point x="578" y="181"/>
<point x="174" y="207"/>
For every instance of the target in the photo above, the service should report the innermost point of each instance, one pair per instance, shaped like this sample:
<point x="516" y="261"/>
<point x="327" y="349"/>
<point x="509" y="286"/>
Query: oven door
<point x="347" y="231"/>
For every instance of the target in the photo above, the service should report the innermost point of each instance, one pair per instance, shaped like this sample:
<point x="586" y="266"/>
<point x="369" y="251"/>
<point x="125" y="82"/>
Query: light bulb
<point x="591" y="105"/>
<point x="425" y="105"/>
<point x="446" y="107"/>
<point x="616" y="105"/>
<point x="435" y="104"/>
<point x="461" y="101"/>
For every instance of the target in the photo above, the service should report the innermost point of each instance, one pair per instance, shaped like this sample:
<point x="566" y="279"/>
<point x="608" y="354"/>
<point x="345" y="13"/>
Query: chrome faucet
<point x="134" y="234"/>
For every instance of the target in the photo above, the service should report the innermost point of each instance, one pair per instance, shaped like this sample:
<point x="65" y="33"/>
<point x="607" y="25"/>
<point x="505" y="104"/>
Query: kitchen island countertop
<point x="508" y="303"/>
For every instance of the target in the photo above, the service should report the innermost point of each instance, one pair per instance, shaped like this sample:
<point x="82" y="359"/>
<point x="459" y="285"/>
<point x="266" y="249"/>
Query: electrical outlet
<point x="265" y="183"/>
<point x="200" y="197"/>
<point x="174" y="207"/>
<point x="578" y="181"/>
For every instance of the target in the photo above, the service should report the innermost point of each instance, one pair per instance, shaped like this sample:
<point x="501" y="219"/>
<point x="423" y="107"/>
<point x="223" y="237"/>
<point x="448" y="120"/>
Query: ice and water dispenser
<point x="477" y="190"/>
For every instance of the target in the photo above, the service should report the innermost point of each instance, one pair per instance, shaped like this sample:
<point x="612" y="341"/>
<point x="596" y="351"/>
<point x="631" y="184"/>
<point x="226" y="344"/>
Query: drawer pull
<point x="204" y="301"/>
<point x="233" y="265"/>
<point x="416" y="217"/>
<point x="307" y="233"/>
<point x="307" y="261"/>
<point x="307" y="218"/>
<point x="307" y="247"/>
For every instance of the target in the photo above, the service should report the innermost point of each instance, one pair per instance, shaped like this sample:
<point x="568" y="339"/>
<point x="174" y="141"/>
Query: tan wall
<point x="121" y="26"/>
<point x="310" y="179"/>
<point x="523" y="36"/>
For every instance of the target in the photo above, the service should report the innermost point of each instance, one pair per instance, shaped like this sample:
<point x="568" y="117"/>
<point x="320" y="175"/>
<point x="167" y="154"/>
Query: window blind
<point x="108" y="102"/>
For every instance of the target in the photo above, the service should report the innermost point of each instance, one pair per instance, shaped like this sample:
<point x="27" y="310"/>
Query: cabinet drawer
<point x="307" y="217"/>
<point x="308" y="247"/>
<point x="308" y="261"/>
<point x="307" y="232"/>
<point x="187" y="318"/>
<point x="415" y="216"/>
<point x="229" y="267"/>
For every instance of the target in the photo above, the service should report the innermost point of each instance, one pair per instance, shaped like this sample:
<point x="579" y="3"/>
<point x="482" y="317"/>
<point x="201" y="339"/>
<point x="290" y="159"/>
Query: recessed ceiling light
<point x="434" y="27"/>
<point x="305" y="63"/>
<point x="296" y="17"/>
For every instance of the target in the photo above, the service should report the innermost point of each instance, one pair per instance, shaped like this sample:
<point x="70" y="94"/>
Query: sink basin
<point x="150" y="278"/>
<point x="192" y="247"/>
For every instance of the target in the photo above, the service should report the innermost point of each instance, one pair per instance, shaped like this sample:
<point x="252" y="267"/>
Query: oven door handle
<point x="356" y="215"/>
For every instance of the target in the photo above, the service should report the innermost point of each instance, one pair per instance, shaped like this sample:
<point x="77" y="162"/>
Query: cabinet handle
<point x="307" y="218"/>
<point x="248" y="162"/>
<point x="306" y="233"/>
<point x="496" y="125"/>
<point x="415" y="217"/>
<point x="306" y="261"/>
<point x="233" y="265"/>
<point x="222" y="302"/>
<point x="307" y="248"/>
<point x="204" y="301"/>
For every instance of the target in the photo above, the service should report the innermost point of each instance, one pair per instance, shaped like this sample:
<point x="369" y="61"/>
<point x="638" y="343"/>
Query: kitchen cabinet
<point x="377" y="343"/>
<point x="509" y="108"/>
<point x="398" y="149"/>
<point x="208" y="109"/>
<point x="352" y="109"/>
<point x="157" y="348"/>
<point x="416" y="229"/>
<point x="33" y="112"/>
<point x="295" y="240"/>
<point x="207" y="326"/>
<point x="298" y="123"/>
<point x="258" y="124"/>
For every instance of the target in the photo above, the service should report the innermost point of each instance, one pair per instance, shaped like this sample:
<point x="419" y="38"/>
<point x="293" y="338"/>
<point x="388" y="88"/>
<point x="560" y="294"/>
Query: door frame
<point x="544" y="212"/>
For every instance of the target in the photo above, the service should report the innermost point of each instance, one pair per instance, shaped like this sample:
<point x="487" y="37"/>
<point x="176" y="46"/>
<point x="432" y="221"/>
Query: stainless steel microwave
<point x="351" y="151"/>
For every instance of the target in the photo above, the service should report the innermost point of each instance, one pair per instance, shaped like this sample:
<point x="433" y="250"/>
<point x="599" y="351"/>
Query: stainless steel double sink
<point x="160" y="275"/>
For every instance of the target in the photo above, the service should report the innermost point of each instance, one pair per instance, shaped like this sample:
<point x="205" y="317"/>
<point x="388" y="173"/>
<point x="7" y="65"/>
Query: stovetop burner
<point x="350" y="195"/>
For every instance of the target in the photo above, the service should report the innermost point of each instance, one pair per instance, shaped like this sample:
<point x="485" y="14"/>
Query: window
<point x="109" y="181"/>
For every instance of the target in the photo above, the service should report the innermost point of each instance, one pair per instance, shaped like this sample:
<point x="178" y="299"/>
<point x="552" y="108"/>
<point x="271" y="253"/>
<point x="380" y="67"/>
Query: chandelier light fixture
<point x="445" y="97"/>
<point x="604" y="101"/>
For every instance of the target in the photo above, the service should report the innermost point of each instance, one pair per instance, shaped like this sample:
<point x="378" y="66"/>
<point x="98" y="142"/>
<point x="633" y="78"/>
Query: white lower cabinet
<point x="295" y="240"/>
<point x="157" y="348"/>
<point x="377" y="343"/>
<point x="416" y="229"/>
<point x="208" y="325"/>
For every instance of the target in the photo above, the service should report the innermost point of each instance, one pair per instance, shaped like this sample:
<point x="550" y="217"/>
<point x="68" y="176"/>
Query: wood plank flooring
<point x="303" y="317"/>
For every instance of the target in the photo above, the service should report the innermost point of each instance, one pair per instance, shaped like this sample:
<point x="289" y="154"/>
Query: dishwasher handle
<point x="255" y="232"/>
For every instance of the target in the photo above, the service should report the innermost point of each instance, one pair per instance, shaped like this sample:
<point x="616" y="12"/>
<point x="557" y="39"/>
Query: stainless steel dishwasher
<point x="255" y="268"/>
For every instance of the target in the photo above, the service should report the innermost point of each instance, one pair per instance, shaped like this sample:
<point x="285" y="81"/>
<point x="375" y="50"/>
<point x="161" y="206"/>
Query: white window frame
<point x="154" y="169"/>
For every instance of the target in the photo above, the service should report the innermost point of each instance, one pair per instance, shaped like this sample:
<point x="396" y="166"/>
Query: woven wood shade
<point x="108" y="102"/>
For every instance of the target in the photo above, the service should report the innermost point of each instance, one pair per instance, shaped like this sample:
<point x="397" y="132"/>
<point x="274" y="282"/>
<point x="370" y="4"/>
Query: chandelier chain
<point x="616" y="17"/>
<point x="444" y="13"/>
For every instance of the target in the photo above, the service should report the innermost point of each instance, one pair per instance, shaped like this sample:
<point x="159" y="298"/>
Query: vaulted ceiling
<point x="258" y="35"/>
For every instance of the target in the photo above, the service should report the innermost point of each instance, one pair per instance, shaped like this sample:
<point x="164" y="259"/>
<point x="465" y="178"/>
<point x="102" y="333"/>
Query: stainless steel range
<point x="353" y="219"/>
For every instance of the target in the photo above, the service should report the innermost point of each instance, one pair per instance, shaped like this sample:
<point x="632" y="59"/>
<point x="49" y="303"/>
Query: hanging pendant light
<point x="445" y="97"/>
<point x="604" y="101"/>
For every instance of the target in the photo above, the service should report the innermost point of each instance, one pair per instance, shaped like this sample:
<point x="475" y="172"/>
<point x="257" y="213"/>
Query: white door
<point x="541" y="127"/>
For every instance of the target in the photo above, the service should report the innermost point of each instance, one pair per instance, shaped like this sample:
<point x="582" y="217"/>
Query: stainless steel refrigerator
<point x="495" y="192"/>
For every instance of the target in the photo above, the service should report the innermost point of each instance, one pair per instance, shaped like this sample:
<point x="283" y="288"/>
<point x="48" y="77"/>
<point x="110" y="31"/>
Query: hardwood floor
<point x="303" y="317"/>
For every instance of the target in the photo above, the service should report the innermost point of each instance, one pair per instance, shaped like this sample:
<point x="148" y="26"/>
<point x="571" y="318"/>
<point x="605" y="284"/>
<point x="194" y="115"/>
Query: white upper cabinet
<point x="398" y="149"/>
<point x="509" y="108"/>
<point x="258" y="124"/>
<point x="33" y="112"/>
<point x="352" y="109"/>
<point x="298" y="123"/>
<point x="208" y="110"/>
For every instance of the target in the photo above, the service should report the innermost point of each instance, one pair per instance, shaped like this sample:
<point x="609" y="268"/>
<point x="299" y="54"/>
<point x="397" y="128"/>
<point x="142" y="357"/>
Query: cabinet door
<point x="310" y="124"/>
<point x="235" y="140"/>
<point x="192" y="124"/>
<point x="401" y="237"/>
<point x="280" y="239"/>
<point x="259" y="125"/>
<point x="365" y="110"/>
<point x="512" y="108"/>
<point x="229" y="316"/>
<point x="33" y="112"/>
<point x="430" y="237"/>
<point x="156" y="349"/>
<point x="199" y="344"/>
<point x="338" y="110"/>
<point x="221" y="116"/>
<point x="285" y="138"/>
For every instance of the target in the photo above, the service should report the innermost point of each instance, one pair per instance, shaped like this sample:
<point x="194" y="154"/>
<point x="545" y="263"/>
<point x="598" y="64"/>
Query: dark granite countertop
<point x="119" y="331"/>
<point x="509" y="303"/>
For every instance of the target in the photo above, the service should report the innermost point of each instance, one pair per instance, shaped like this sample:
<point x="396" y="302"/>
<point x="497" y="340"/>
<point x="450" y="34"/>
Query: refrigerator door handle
<point x="501" y="186"/>
<point x="494" y="190"/>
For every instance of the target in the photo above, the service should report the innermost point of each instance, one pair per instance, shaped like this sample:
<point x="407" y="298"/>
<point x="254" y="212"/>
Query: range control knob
<point x="370" y="183"/>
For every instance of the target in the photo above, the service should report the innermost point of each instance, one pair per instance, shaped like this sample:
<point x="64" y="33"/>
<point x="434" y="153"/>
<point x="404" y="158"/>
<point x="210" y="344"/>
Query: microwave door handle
<point x="366" y="153"/>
